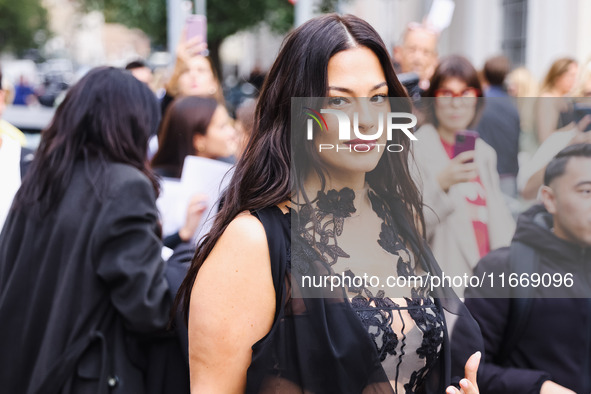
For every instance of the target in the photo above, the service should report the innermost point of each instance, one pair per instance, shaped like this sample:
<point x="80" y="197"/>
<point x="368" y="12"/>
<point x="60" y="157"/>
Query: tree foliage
<point x="146" y="15"/>
<point x="224" y="17"/>
<point x="23" y="24"/>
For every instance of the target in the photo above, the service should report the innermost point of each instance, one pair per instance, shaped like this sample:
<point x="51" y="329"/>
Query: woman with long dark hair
<point x="81" y="278"/>
<point x="254" y="325"/>
<point x="192" y="126"/>
<point x="466" y="213"/>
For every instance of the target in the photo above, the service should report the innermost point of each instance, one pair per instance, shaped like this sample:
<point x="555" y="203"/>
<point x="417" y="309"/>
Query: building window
<point x="515" y="30"/>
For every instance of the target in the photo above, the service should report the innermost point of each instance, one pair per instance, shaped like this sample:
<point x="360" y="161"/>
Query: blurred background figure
<point x="583" y="86"/>
<point x="560" y="78"/>
<point x="575" y="118"/>
<point x="24" y="94"/>
<point x="192" y="126"/>
<point x="141" y="71"/>
<point x="465" y="212"/>
<point x="417" y="52"/>
<point x="10" y="155"/>
<point x="557" y="84"/>
<point x="193" y="74"/>
<point x="499" y="125"/>
<point x="522" y="85"/>
<point x="244" y="124"/>
<point x="81" y="249"/>
<point x="6" y="129"/>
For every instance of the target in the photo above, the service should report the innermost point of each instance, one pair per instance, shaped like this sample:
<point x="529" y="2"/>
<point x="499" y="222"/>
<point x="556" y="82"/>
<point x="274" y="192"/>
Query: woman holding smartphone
<point x="254" y="326"/>
<point x="194" y="73"/>
<point x="465" y="212"/>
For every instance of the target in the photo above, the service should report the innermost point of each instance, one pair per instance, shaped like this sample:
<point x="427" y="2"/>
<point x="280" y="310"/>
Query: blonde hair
<point x="523" y="82"/>
<point x="181" y="67"/>
<point x="558" y="68"/>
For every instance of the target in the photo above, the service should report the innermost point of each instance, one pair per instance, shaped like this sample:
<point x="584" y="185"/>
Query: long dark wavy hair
<point x="184" y="118"/>
<point x="262" y="177"/>
<point x="109" y="116"/>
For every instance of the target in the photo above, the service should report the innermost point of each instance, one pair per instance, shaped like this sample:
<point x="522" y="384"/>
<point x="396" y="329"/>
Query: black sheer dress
<point x="359" y="337"/>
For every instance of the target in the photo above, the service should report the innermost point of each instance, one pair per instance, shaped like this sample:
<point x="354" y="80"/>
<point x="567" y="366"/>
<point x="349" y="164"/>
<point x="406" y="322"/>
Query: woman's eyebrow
<point x="349" y="91"/>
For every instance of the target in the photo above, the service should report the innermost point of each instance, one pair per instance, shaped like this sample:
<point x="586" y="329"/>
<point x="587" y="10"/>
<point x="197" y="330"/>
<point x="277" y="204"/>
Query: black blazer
<point x="82" y="288"/>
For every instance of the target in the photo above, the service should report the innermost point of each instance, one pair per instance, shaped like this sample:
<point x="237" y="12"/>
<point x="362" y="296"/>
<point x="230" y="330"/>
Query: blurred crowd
<point x="130" y="174"/>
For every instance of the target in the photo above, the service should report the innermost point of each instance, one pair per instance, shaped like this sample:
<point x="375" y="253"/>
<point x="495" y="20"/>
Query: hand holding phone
<point x="193" y="39"/>
<point x="197" y="26"/>
<point x="462" y="167"/>
<point x="465" y="141"/>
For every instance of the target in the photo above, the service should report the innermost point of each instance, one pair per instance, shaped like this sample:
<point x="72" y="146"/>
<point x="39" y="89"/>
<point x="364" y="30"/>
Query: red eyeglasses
<point x="468" y="92"/>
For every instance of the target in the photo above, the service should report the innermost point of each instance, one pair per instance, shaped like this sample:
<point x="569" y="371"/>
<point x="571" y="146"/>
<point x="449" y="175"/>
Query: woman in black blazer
<point x="82" y="283"/>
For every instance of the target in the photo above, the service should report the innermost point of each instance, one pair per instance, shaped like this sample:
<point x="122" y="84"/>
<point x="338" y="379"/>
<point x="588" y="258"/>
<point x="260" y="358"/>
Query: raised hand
<point x="468" y="384"/>
<point x="460" y="169"/>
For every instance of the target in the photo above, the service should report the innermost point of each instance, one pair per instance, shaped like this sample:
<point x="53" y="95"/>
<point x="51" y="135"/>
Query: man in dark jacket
<point x="499" y="125"/>
<point x="551" y="353"/>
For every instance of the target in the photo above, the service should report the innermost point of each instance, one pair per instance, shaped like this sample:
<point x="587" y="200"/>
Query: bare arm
<point x="232" y="307"/>
<point x="547" y="115"/>
<point x="530" y="190"/>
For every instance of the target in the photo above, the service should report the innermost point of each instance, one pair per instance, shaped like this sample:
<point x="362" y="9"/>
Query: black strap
<point x="522" y="259"/>
<point x="278" y="238"/>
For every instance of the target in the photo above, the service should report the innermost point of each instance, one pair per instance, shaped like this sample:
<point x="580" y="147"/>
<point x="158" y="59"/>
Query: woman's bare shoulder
<point x="245" y="224"/>
<point x="232" y="307"/>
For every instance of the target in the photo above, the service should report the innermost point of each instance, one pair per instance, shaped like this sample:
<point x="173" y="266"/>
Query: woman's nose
<point x="366" y="116"/>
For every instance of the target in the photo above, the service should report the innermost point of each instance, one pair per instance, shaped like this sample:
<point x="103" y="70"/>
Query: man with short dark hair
<point x="140" y="70"/>
<point x="495" y="71"/>
<point x="538" y="336"/>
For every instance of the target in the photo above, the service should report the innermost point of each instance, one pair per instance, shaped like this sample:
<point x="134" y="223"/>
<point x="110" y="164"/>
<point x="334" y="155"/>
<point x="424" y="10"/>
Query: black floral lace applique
<point x="326" y="222"/>
<point x="431" y="325"/>
<point x="320" y="226"/>
<point x="389" y="237"/>
<point x="376" y="315"/>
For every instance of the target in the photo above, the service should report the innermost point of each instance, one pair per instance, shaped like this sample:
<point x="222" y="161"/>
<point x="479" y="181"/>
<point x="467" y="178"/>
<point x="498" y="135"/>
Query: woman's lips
<point x="370" y="144"/>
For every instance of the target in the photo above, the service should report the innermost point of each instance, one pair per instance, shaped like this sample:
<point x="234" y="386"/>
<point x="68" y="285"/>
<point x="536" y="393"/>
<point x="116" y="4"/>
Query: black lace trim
<point x="320" y="226"/>
<point x="336" y="206"/>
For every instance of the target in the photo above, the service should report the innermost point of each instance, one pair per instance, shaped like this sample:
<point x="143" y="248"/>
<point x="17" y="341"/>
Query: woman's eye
<point x="379" y="98"/>
<point x="337" y="101"/>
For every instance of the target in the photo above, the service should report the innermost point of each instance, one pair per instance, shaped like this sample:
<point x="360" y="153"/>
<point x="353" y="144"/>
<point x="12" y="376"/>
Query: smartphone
<point x="580" y="111"/>
<point x="197" y="26"/>
<point x="465" y="141"/>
